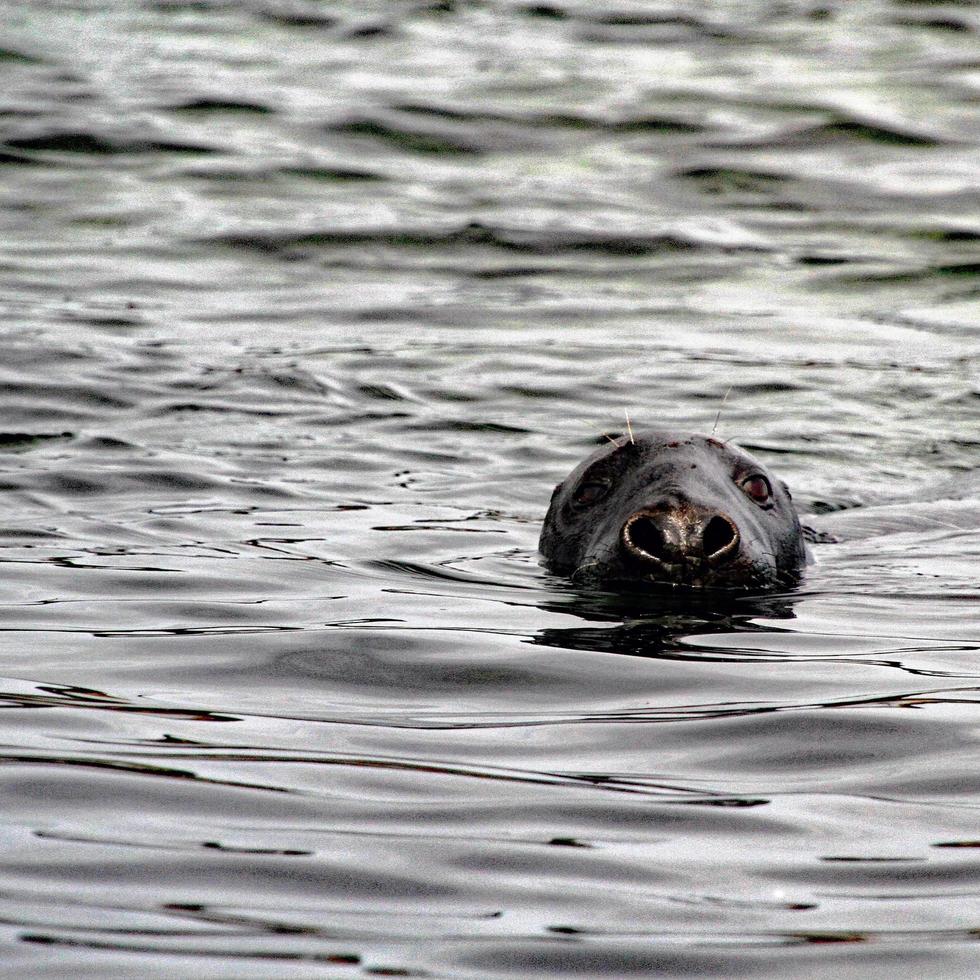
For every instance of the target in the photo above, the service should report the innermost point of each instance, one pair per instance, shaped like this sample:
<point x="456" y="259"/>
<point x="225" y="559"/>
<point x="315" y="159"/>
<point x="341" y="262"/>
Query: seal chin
<point x="619" y="571"/>
<point x="699" y="578"/>
<point x="694" y="577"/>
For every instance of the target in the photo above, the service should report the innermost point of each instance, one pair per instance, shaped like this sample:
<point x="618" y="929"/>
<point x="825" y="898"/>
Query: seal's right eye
<point x="590" y="493"/>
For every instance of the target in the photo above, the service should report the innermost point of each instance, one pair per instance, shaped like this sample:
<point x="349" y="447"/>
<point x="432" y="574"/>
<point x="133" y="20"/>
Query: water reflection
<point x="650" y="625"/>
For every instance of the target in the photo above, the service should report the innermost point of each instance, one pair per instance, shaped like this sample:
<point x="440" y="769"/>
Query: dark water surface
<point x="306" y="307"/>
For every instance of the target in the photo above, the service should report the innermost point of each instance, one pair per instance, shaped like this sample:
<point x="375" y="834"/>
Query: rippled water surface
<point x="306" y="307"/>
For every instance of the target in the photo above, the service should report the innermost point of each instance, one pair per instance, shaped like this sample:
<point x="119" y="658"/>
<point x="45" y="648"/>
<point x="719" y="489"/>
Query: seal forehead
<point x="672" y="445"/>
<point x="652" y="448"/>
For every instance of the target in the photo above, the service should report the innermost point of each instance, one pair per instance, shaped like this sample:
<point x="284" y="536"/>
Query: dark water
<point x="306" y="307"/>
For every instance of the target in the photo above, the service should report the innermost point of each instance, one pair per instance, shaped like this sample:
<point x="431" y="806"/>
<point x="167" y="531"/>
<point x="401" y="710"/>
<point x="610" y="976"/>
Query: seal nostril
<point x="720" y="538"/>
<point x="644" y="535"/>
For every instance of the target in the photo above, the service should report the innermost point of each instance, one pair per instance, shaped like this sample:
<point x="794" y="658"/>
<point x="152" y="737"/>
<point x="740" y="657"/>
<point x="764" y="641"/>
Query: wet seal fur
<point x="665" y="509"/>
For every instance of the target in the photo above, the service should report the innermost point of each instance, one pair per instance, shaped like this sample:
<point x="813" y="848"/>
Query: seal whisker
<point x="629" y="427"/>
<point x="720" y="407"/>
<point x="587" y="564"/>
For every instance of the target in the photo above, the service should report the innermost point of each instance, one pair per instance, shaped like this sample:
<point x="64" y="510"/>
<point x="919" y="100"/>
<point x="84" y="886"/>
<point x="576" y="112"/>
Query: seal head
<point x="673" y="509"/>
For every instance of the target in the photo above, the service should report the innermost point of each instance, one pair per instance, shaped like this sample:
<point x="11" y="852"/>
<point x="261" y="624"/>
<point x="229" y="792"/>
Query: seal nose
<point x="680" y="536"/>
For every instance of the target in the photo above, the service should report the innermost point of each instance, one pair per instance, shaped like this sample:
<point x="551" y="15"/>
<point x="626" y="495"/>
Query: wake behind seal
<point x="661" y="508"/>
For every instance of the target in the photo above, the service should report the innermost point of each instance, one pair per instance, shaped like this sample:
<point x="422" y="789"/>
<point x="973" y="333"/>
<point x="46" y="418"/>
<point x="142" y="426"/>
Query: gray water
<point x="306" y="307"/>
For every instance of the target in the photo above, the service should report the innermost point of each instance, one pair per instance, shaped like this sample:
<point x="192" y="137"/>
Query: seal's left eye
<point x="757" y="487"/>
<point x="590" y="493"/>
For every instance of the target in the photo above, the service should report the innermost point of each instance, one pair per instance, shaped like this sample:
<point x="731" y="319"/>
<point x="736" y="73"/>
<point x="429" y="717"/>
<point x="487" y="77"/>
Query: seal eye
<point x="757" y="487"/>
<point x="590" y="493"/>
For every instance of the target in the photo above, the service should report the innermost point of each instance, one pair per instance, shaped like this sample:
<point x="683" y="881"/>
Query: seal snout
<point x="669" y="540"/>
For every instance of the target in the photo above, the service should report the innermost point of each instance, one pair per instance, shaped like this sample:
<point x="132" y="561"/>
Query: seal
<point x="659" y="508"/>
